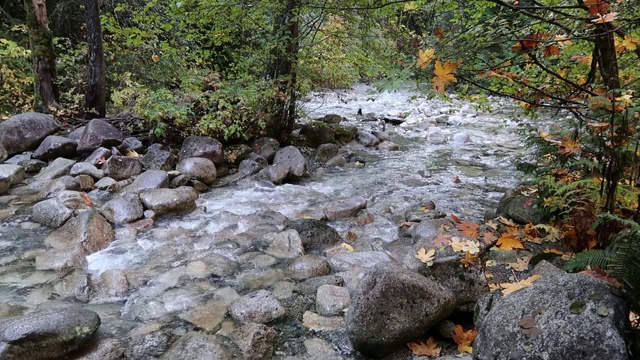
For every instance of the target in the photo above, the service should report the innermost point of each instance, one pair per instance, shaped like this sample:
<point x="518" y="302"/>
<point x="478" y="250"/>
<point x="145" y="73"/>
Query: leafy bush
<point x="16" y="81"/>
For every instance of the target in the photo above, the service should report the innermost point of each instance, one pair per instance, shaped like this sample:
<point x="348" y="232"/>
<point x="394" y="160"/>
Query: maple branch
<point x="531" y="15"/>
<point x="560" y="77"/>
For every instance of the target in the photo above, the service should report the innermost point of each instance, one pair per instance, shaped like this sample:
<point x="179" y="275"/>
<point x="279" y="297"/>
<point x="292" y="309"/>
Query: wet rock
<point x="85" y="168"/>
<point x="123" y="209"/>
<point x="325" y="152"/>
<point x="315" y="234"/>
<point x="266" y="147"/>
<point x="130" y="144"/>
<point x="56" y="169"/>
<point x="308" y="266"/>
<point x="76" y="134"/>
<point x="148" y="180"/>
<point x="337" y="160"/>
<point x="147" y="343"/>
<point x="105" y="183"/>
<point x="317" y="133"/>
<point x="198" y="168"/>
<point x="158" y="158"/>
<point x="320" y="349"/>
<point x="165" y="201"/>
<point x="65" y="182"/>
<point x="51" y="212"/>
<point x="32" y="165"/>
<point x="257" y="158"/>
<point x="388" y="146"/>
<point x="344" y="208"/>
<point x="291" y="157"/>
<point x="122" y="167"/>
<point x="86" y="182"/>
<point x="436" y="135"/>
<point x="197" y="346"/>
<point x="344" y="261"/>
<point x="179" y="181"/>
<point x="332" y="300"/>
<point x="55" y="146"/>
<point x="234" y="154"/>
<point x="333" y="119"/>
<point x="25" y="131"/>
<point x="520" y="208"/>
<point x="256" y="341"/>
<point x="275" y="173"/>
<point x="345" y="134"/>
<point x="544" y="320"/>
<point x="98" y="156"/>
<point x="204" y="147"/>
<point x="14" y="174"/>
<point x="429" y="228"/>
<point x="5" y="184"/>
<point x="398" y="303"/>
<point x="113" y="282"/>
<point x="310" y="286"/>
<point x="47" y="334"/>
<point x="461" y="138"/>
<point x="210" y="315"/>
<point x="99" y="133"/>
<point x="367" y="139"/>
<point x="249" y="167"/>
<point x="259" y="307"/>
<point x="103" y="349"/>
<point x="3" y="154"/>
<point x="286" y="245"/>
<point x="75" y="287"/>
<point x="315" y="322"/>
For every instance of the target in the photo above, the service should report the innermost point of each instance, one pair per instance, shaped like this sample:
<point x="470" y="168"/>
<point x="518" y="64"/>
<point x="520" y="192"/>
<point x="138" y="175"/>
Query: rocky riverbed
<point x="254" y="251"/>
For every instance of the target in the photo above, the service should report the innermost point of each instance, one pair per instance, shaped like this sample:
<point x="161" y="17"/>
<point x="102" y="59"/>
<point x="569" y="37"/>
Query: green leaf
<point x="577" y="307"/>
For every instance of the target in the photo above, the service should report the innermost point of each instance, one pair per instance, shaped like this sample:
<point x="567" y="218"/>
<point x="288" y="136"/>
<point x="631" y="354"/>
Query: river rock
<point x="113" y="282"/>
<point x="105" y="183"/>
<point x="99" y="133"/>
<point x="130" y="144"/>
<point x="47" y="334"/>
<point x="560" y="316"/>
<point x="51" y="212"/>
<point x="65" y="182"/>
<point x="204" y="147"/>
<point x="337" y="160"/>
<point x="275" y="173"/>
<point x="308" y="266"/>
<point x="249" y="167"/>
<point x="286" y="245"/>
<point x="103" y="349"/>
<point x="315" y="234"/>
<point x="198" y="168"/>
<point x="98" y="156"/>
<point x="317" y="133"/>
<point x="3" y="154"/>
<point x="259" y="307"/>
<point x="14" y="174"/>
<point x="123" y="209"/>
<point x="315" y="322"/>
<point x="56" y="169"/>
<point x="86" y="182"/>
<point x="521" y="208"/>
<point x="347" y="260"/>
<point x="325" y="152"/>
<point x="234" y="154"/>
<point x="25" y="131"/>
<point x="55" y="146"/>
<point x="148" y="180"/>
<point x="158" y="158"/>
<point x="256" y="341"/>
<point x="5" y="184"/>
<point x="332" y="300"/>
<point x="266" y="147"/>
<point x="393" y="305"/>
<point x="344" y="208"/>
<point x="146" y="342"/>
<point x="310" y="286"/>
<point x="367" y="139"/>
<point x="388" y="146"/>
<point x="291" y="157"/>
<point x="429" y="228"/>
<point x="85" y="168"/>
<point x="165" y="201"/>
<point x="197" y="346"/>
<point x="122" y="167"/>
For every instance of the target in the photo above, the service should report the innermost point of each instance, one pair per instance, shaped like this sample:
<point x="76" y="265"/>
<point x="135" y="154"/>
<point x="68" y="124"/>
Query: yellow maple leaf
<point x="425" y="348"/>
<point x="133" y="153"/>
<point x="508" y="288"/>
<point x="630" y="43"/>
<point x="426" y="256"/>
<point x="444" y="75"/>
<point x="464" y="339"/>
<point x="347" y="247"/>
<point x="509" y="242"/>
<point x="506" y="221"/>
<point x="553" y="233"/>
<point x="468" y="259"/>
<point x="424" y="57"/>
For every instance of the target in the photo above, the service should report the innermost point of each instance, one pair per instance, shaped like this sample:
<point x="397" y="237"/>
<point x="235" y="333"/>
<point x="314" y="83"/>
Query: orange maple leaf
<point x="508" y="288"/>
<point x="422" y="348"/>
<point x="444" y="75"/>
<point x="468" y="259"/>
<point x="509" y="242"/>
<point x="442" y="240"/>
<point x="520" y="264"/>
<point x="551" y="50"/>
<point x="488" y="237"/>
<point x="569" y="146"/>
<point x="469" y="229"/>
<point x="464" y="339"/>
<point x="85" y="198"/>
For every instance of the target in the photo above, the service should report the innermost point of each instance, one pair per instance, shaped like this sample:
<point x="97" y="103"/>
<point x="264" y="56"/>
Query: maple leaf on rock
<point x="468" y="259"/>
<point x="509" y="242"/>
<point x="469" y="229"/>
<point x="442" y="240"/>
<point x="443" y="75"/>
<point x="425" y="348"/>
<point x="521" y="264"/>
<point x="464" y="339"/>
<point x="426" y="256"/>
<point x="508" y="288"/>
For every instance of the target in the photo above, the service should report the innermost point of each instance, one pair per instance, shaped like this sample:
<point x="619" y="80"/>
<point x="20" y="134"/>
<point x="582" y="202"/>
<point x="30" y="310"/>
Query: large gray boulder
<point x="122" y="167"/>
<point x="258" y="307"/>
<point x="123" y="209"/>
<point x="99" y="133"/>
<point x="51" y="212"/>
<point x="158" y="158"/>
<point x="317" y="133"/>
<point x="165" y="201"/>
<point x="25" y="131"/>
<point x="47" y="334"/>
<point x="315" y="234"/>
<point x="54" y="146"/>
<point x="393" y="305"/>
<point x="344" y="208"/>
<point x="13" y="174"/>
<point x="266" y="147"/>
<point x="150" y="179"/>
<point x="202" y="146"/>
<point x="560" y="317"/>
<point x="197" y="168"/>
<point x="292" y="158"/>
<point x="57" y="168"/>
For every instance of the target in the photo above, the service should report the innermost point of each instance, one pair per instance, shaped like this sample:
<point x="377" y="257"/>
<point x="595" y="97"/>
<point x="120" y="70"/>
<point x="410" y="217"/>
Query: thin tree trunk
<point x="96" y="93"/>
<point x="42" y="54"/>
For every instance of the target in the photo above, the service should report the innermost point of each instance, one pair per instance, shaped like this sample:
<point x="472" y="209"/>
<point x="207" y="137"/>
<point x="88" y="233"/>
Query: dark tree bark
<point x="96" y="93"/>
<point x="282" y="70"/>
<point x="42" y="54"/>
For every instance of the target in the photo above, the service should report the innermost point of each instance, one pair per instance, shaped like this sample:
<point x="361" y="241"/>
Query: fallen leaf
<point x="426" y="256"/>
<point x="428" y="348"/>
<point x="577" y="307"/>
<point x="86" y="200"/>
<point x="601" y="19"/>
<point x="455" y="219"/>
<point x="488" y="237"/>
<point x="603" y="311"/>
<point x="408" y="223"/>
<point x="506" y="221"/>
<point x="467" y="246"/>
<point x="531" y="332"/>
<point x="468" y="259"/>
<point x="508" y="288"/>
<point x="133" y="153"/>
<point x="347" y="247"/>
<point x="464" y="339"/>
<point x="492" y="224"/>
<point x="522" y="264"/>
<point x="509" y="242"/>
<point x="468" y="228"/>
<point x="457" y="180"/>
<point x="527" y="322"/>
<point x="102" y="160"/>
<point x="442" y="240"/>
<point x="493" y="287"/>
<point x="350" y="236"/>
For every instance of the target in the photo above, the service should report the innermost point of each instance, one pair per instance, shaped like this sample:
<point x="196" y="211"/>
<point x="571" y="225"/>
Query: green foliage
<point x="16" y="81"/>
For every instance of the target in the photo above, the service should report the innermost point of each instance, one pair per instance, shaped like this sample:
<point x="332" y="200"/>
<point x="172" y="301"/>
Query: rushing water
<point x="464" y="167"/>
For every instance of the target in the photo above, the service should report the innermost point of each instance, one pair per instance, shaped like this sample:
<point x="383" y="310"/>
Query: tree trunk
<point x="96" y="93"/>
<point x="282" y="70"/>
<point x="42" y="54"/>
